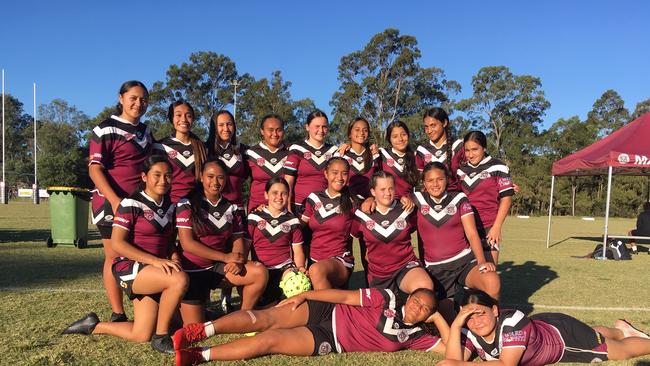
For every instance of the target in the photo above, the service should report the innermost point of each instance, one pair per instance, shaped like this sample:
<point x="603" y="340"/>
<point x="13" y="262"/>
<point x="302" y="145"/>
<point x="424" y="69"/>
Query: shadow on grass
<point x="37" y="235"/>
<point x="34" y="271"/>
<point x="13" y="235"/>
<point x="520" y="281"/>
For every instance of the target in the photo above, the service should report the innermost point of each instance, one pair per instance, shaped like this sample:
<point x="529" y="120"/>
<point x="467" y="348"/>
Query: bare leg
<point x="414" y="279"/>
<point x="251" y="284"/>
<point x="609" y="333"/>
<point x="330" y="273"/>
<point x="627" y="348"/>
<point x="192" y="313"/>
<point x="113" y="291"/>
<point x="488" y="282"/>
<point x="294" y="342"/>
<point x="140" y="330"/>
<point x="245" y="321"/>
<point x="151" y="280"/>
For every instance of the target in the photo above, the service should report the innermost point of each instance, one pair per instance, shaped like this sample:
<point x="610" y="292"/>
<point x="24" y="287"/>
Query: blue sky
<point x="81" y="51"/>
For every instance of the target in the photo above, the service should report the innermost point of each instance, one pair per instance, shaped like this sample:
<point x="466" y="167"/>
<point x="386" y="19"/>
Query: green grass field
<point x="43" y="289"/>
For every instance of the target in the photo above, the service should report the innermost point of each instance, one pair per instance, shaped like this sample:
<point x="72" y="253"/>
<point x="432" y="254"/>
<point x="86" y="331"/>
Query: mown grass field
<point x="43" y="289"/>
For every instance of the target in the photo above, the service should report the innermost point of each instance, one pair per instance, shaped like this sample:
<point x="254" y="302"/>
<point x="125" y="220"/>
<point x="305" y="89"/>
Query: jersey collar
<point x="485" y="160"/>
<point x="124" y="120"/>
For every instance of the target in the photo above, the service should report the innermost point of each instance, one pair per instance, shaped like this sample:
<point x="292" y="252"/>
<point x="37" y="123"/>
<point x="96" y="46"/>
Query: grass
<point x="43" y="289"/>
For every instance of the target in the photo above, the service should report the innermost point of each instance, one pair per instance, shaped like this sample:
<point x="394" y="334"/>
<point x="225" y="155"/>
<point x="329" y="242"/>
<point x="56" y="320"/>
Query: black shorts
<point x="637" y="232"/>
<point x="392" y="283"/>
<point x="319" y="324"/>
<point x="202" y="282"/>
<point x="449" y="277"/>
<point x="273" y="292"/>
<point x="105" y="231"/>
<point x="125" y="271"/>
<point x="581" y="342"/>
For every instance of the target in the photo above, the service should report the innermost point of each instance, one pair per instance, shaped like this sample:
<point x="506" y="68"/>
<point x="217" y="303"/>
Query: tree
<point x="58" y="111"/>
<point x="61" y="161"/>
<point x="384" y="81"/>
<point x="642" y="108"/>
<point x="18" y="132"/>
<point x="505" y="106"/>
<point x="608" y="113"/>
<point x="204" y="82"/>
<point x="565" y="137"/>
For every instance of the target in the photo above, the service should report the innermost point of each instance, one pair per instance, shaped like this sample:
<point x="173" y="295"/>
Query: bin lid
<point x="67" y="189"/>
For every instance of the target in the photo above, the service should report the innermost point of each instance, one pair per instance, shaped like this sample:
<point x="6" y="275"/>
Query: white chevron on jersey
<point x="162" y="220"/>
<point x="397" y="166"/>
<point x="385" y="232"/>
<point x="230" y="162"/>
<point x="268" y="227"/>
<point x="267" y="164"/>
<point x="319" y="160"/>
<point x="323" y="211"/>
<point x="388" y="326"/>
<point x="185" y="161"/>
<point x="439" y="215"/>
<point x="142" y="141"/>
<point x="470" y="180"/>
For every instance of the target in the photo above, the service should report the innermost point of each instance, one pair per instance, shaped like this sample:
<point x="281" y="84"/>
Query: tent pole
<point x="550" y="212"/>
<point x="609" y="192"/>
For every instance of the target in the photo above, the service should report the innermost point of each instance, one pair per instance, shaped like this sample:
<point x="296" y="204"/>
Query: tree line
<point x="382" y="82"/>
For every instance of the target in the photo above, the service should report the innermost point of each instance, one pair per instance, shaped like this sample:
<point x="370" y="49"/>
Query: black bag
<point x="615" y="250"/>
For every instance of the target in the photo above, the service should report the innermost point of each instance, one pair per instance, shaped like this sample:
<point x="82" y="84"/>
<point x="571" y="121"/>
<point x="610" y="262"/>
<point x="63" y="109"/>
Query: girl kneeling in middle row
<point x="207" y="223"/>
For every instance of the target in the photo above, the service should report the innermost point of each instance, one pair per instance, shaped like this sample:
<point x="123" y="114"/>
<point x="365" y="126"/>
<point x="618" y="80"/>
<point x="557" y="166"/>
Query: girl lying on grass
<point x="319" y="322"/>
<point x="508" y="337"/>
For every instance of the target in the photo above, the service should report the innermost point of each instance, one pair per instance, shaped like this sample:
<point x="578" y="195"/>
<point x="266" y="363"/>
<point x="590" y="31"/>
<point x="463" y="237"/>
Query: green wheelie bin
<point x="68" y="216"/>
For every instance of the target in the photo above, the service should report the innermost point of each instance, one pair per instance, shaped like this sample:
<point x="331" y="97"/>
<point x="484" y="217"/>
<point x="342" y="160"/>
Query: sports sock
<point x="205" y="353"/>
<point x="209" y="329"/>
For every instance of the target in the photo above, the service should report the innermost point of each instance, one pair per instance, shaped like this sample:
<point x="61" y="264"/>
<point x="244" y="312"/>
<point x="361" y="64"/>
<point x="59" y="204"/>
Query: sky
<point x="81" y="51"/>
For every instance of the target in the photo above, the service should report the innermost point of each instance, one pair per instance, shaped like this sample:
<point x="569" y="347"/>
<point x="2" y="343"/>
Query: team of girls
<point x="320" y="322"/>
<point x="316" y="203"/>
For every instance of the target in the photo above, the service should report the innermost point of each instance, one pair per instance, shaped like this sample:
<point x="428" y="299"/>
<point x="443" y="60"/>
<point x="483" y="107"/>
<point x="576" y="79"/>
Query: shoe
<point x="85" y="325"/>
<point x="629" y="330"/>
<point x="188" y="335"/>
<point x="226" y="306"/>
<point x="189" y="356"/>
<point x="162" y="343"/>
<point x="118" y="317"/>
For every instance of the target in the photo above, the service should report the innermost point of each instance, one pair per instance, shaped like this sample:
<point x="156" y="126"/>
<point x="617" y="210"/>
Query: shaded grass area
<point x="43" y="289"/>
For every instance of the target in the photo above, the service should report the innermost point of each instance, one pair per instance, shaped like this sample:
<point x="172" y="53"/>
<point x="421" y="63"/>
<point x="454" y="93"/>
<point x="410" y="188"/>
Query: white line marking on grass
<point x="589" y="308"/>
<point x="49" y="289"/>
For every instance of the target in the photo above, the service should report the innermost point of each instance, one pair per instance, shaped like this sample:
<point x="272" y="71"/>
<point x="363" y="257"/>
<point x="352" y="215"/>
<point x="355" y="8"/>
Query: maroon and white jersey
<point x="120" y="147"/>
<point x="359" y="182"/>
<point x="542" y="342"/>
<point x="273" y="237"/>
<point x="150" y="225"/>
<point x="181" y="157"/>
<point x="440" y="226"/>
<point x="388" y="239"/>
<point x="485" y="185"/>
<point x="307" y="163"/>
<point x="233" y="159"/>
<point x="221" y="223"/>
<point x="430" y="152"/>
<point x="395" y="164"/>
<point x="263" y="165"/>
<point x="377" y="325"/>
<point x="330" y="228"/>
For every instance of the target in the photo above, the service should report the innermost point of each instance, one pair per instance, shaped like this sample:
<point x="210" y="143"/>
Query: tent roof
<point x="626" y="150"/>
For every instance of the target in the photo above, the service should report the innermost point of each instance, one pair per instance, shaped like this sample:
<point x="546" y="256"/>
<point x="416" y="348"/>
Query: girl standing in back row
<point x="118" y="147"/>
<point x="486" y="182"/>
